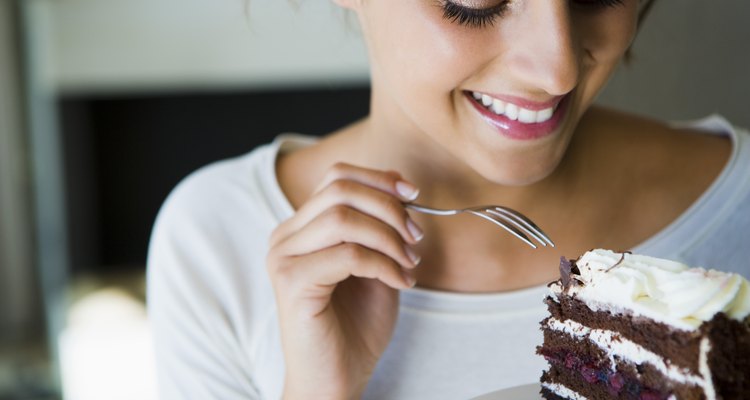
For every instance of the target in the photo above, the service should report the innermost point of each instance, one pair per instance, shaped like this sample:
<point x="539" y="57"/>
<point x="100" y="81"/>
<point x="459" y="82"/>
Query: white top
<point x="214" y="318"/>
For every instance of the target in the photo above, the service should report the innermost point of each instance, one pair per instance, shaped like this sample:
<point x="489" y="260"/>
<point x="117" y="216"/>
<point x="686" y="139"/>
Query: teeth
<point x="512" y="111"/>
<point x="498" y="107"/>
<point x="544" y="115"/>
<point x="526" y="116"/>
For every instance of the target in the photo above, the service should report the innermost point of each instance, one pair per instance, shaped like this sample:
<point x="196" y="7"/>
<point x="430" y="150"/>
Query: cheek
<point x="417" y="47"/>
<point x="607" y="37"/>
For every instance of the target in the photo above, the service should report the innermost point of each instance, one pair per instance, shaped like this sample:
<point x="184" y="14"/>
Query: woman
<point x="290" y="272"/>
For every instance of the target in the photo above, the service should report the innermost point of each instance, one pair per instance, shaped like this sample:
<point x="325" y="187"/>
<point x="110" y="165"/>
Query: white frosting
<point x="666" y="291"/>
<point x="618" y="346"/>
<point x="703" y="367"/>
<point x="563" y="391"/>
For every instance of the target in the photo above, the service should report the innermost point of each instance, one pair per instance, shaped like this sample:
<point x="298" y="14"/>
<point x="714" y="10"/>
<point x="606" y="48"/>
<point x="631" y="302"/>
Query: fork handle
<point x="428" y="210"/>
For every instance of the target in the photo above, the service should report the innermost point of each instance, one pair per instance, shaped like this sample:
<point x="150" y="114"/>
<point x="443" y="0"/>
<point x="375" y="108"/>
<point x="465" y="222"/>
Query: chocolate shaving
<point x="566" y="268"/>
<point x="622" y="258"/>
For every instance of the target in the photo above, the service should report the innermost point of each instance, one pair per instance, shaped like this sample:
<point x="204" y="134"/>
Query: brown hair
<point x="645" y="8"/>
<point x="642" y="13"/>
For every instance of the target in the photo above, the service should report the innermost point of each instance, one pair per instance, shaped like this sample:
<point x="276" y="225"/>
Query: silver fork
<point x="511" y="220"/>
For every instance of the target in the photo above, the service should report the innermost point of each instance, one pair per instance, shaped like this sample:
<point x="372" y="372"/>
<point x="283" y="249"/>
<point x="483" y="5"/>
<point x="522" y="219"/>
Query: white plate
<point x="523" y="392"/>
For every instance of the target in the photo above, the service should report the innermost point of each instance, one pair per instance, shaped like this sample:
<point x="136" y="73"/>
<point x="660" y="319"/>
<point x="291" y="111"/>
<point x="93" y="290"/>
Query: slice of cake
<point x="626" y="326"/>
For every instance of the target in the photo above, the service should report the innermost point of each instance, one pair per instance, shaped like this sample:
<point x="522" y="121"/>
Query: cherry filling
<point x="617" y="384"/>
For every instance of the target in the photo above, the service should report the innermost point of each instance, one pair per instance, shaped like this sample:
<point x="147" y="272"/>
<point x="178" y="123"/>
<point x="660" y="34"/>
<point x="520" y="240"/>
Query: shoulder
<point x="645" y="173"/>
<point x="207" y="289"/>
<point x="682" y="157"/>
<point x="222" y="191"/>
<point x="216" y="214"/>
<point x="300" y="171"/>
<point x="651" y="137"/>
<point x="206" y="257"/>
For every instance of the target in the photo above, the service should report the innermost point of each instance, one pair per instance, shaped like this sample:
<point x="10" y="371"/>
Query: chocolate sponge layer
<point x="728" y="358"/>
<point x="584" y="367"/>
<point x="680" y="347"/>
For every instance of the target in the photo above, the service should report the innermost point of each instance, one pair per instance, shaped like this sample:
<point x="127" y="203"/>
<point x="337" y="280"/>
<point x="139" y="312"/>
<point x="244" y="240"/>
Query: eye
<point x="471" y="16"/>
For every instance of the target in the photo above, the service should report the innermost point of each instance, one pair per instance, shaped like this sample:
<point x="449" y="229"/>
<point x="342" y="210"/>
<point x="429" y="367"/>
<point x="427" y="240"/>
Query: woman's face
<point x="498" y="84"/>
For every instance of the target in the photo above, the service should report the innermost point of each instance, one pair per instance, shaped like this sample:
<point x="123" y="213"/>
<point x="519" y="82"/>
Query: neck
<point x="444" y="180"/>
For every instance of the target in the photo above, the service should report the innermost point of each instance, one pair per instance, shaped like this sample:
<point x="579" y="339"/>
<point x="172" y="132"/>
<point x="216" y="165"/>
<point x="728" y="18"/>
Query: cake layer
<point x="665" y="291"/>
<point x="582" y="365"/>
<point x="729" y="358"/>
<point x="681" y="347"/>
<point x="626" y="326"/>
<point x="568" y="385"/>
<point x="717" y="355"/>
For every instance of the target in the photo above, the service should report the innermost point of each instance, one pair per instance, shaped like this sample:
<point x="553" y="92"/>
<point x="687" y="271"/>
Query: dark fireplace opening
<point x="124" y="153"/>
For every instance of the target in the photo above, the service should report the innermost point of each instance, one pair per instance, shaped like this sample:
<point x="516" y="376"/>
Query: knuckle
<point x="340" y="188"/>
<point x="275" y="236"/>
<point x="386" y="179"/>
<point x="394" y="207"/>
<point x="338" y="169"/>
<point x="282" y="231"/>
<point x="279" y="269"/>
<point x="353" y="252"/>
<point x="339" y="215"/>
<point x="393" y="174"/>
<point x="284" y="279"/>
<point x="390" y="240"/>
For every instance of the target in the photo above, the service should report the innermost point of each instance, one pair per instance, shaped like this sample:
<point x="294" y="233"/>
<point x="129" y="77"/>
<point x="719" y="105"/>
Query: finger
<point x="342" y="224"/>
<point x="325" y="268"/>
<point x="365" y="199"/>
<point x="386" y="181"/>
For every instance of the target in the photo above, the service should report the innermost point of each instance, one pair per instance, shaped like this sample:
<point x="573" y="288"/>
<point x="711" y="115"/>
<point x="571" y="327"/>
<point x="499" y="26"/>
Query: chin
<point x="521" y="173"/>
<point x="516" y="179"/>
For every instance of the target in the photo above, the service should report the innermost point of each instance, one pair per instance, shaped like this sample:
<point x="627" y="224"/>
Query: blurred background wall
<point x="690" y="57"/>
<point x="106" y="104"/>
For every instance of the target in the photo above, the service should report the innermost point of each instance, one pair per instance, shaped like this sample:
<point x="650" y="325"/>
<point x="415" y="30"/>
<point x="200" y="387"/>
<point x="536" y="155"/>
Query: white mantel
<point x="172" y="44"/>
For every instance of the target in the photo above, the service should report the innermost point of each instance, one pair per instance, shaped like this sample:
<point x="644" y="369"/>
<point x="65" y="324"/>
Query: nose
<point x="544" y="53"/>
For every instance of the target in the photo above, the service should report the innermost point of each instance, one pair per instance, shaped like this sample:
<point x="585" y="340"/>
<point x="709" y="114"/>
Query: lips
<point x="517" y="118"/>
<point x="514" y="111"/>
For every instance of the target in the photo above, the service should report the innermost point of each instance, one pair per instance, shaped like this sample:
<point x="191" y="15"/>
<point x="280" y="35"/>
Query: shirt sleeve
<point x="198" y="347"/>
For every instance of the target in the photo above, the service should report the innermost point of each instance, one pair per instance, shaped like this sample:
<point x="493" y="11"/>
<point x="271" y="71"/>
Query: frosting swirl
<point x="660" y="289"/>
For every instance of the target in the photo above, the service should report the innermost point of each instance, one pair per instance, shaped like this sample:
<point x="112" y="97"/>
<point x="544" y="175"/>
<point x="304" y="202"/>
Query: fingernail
<point x="414" y="230"/>
<point x="413" y="256"/>
<point x="408" y="191"/>
<point x="410" y="280"/>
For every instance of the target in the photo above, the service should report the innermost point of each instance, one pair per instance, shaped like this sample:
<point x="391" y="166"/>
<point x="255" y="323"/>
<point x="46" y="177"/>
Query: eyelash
<point x="482" y="17"/>
<point x="473" y="17"/>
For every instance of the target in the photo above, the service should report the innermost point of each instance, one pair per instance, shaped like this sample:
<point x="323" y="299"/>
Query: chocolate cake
<point x="626" y="326"/>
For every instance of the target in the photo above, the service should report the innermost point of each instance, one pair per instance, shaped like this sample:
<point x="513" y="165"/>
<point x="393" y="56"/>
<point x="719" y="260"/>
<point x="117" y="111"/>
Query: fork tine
<point x="518" y="224"/>
<point x="511" y="229"/>
<point x="526" y="222"/>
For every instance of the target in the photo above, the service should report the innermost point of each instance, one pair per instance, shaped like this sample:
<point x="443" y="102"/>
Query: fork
<point x="511" y="220"/>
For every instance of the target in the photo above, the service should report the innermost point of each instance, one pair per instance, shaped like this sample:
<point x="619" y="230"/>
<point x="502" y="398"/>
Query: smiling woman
<point x="296" y="270"/>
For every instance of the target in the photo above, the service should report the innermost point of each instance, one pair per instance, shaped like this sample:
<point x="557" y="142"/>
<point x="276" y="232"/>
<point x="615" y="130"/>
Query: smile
<point x="519" y="119"/>
<point x="514" y="112"/>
